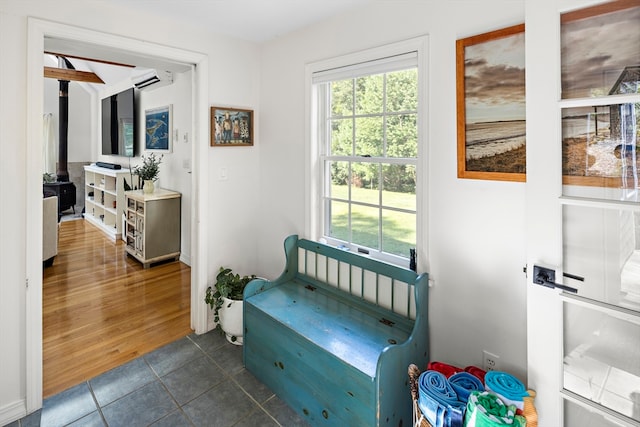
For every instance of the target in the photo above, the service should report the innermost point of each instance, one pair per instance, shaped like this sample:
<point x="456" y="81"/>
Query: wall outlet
<point x="490" y="362"/>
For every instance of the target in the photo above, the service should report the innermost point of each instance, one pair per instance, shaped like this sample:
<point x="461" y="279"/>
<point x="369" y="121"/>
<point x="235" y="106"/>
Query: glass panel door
<point x="600" y="112"/>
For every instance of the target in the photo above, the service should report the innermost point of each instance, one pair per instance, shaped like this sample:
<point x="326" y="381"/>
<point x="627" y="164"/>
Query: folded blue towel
<point x="464" y="383"/>
<point x="507" y="387"/>
<point x="438" y="401"/>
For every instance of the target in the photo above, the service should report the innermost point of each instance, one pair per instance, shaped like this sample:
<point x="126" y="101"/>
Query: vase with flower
<point x="148" y="171"/>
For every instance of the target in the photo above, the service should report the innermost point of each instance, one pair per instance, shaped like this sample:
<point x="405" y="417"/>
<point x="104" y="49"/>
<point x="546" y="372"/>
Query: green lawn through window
<point x="399" y="228"/>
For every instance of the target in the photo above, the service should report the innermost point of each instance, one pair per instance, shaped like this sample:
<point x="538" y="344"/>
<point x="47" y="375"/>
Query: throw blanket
<point x="477" y="372"/>
<point x="485" y="409"/>
<point x="444" y="368"/>
<point x="438" y="400"/>
<point x="507" y="387"/>
<point x="464" y="383"/>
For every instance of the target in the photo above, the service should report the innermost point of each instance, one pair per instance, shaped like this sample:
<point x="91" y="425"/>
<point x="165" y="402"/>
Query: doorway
<point x="38" y="30"/>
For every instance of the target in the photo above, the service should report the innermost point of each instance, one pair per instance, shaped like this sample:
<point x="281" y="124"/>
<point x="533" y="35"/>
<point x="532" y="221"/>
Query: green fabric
<point x="485" y="409"/>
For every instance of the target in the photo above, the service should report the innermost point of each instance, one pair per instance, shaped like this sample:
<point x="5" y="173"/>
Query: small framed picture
<point x="231" y="127"/>
<point x="158" y="130"/>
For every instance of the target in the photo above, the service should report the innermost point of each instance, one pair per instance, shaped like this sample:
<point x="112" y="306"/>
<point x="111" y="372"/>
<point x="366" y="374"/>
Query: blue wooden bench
<point x="334" y="334"/>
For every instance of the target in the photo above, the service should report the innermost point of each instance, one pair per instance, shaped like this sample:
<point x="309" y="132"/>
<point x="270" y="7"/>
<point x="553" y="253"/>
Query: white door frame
<point x="37" y="31"/>
<point x="544" y="214"/>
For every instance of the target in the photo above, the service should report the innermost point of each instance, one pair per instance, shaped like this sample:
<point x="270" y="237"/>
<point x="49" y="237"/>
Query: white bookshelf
<point x="104" y="198"/>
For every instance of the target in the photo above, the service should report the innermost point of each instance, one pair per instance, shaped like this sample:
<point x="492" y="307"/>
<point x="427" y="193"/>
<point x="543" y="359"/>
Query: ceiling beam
<point x="71" y="75"/>
<point x="84" y="58"/>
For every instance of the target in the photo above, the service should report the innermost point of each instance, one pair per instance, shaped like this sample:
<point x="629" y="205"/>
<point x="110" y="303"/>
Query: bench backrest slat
<point x="383" y="285"/>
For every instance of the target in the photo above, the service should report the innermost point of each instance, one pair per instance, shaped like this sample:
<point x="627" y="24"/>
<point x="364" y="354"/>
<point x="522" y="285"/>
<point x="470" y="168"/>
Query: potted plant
<point x="48" y="178"/>
<point x="148" y="171"/>
<point x="225" y="298"/>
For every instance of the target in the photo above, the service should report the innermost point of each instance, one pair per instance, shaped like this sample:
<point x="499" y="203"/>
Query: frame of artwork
<point x="231" y="127"/>
<point x="490" y="95"/>
<point x="158" y="129"/>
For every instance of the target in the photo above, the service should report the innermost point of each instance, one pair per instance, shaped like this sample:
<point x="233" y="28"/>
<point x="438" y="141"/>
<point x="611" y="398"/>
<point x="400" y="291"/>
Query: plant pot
<point x="148" y="186"/>
<point x="231" y="320"/>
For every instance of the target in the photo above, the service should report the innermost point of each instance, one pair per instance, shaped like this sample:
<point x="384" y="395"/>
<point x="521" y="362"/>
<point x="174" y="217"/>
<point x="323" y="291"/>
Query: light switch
<point x="223" y="176"/>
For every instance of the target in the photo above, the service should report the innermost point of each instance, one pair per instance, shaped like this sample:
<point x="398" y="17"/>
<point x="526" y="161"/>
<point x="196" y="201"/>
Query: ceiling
<point x="253" y="20"/>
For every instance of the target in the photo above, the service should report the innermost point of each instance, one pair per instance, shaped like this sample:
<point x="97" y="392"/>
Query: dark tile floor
<point x="198" y="380"/>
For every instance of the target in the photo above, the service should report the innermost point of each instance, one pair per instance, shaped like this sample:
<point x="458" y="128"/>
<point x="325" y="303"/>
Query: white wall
<point x="476" y="228"/>
<point x="175" y="169"/>
<point x="80" y="120"/>
<point x="236" y="85"/>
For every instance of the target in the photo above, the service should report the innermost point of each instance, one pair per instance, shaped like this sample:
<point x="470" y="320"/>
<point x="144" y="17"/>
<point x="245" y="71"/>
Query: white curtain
<point x="50" y="148"/>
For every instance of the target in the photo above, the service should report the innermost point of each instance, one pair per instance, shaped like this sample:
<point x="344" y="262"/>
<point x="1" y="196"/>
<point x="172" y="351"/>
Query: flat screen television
<point x="119" y="124"/>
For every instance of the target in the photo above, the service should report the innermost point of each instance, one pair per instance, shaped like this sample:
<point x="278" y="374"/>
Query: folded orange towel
<point x="529" y="411"/>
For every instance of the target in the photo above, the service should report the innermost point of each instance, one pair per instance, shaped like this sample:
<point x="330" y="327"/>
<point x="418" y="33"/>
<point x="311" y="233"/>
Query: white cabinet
<point x="153" y="225"/>
<point x="104" y="198"/>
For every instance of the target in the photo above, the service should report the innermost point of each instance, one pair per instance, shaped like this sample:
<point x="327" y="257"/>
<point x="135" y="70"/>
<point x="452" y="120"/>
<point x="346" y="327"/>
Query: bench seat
<point x="352" y="335"/>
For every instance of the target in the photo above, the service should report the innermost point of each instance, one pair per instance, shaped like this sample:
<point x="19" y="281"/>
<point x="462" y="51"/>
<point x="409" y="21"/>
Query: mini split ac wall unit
<point x="151" y="79"/>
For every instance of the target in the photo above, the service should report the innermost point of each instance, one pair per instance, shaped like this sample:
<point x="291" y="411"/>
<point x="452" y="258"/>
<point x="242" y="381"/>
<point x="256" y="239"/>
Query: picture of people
<point x="231" y="127"/>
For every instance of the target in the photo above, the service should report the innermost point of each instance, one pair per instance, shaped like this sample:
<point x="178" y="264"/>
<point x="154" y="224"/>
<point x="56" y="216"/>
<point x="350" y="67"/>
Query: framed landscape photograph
<point x="490" y="99"/>
<point x="231" y="127"/>
<point x="158" y="129"/>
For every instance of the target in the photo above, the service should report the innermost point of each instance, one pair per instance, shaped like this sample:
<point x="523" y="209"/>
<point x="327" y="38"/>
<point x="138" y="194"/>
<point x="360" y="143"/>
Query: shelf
<point x="105" y="207"/>
<point x="104" y="190"/>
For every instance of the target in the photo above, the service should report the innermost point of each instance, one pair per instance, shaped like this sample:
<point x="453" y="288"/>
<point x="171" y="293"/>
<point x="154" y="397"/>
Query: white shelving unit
<point x="104" y="198"/>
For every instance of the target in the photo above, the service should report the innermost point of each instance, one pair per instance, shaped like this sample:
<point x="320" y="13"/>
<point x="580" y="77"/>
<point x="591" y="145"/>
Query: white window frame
<point x="314" y="206"/>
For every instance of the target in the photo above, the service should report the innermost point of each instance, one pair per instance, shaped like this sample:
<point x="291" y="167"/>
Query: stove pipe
<point x="63" y="131"/>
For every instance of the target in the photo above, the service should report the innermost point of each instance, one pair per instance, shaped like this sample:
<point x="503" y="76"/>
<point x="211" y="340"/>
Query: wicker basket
<point x="419" y="420"/>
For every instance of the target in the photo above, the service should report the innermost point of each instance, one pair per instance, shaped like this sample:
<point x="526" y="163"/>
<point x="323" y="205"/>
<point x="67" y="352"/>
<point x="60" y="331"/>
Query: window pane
<point x="398" y="232"/>
<point x="369" y="134"/>
<point x="339" y="180"/>
<point x="603" y="246"/>
<point x="575" y="415"/>
<point x="342" y="137"/>
<point x="342" y="98"/>
<point x="369" y="94"/>
<point x="399" y="188"/>
<point x="339" y="220"/>
<point x="599" y="52"/>
<point x="602" y="358"/>
<point x="365" y="226"/>
<point x="599" y="146"/>
<point x="402" y="136"/>
<point x="364" y="183"/>
<point x="402" y="90"/>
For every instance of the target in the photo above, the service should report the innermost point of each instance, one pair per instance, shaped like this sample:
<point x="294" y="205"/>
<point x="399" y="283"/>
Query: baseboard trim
<point x="185" y="259"/>
<point x="13" y="412"/>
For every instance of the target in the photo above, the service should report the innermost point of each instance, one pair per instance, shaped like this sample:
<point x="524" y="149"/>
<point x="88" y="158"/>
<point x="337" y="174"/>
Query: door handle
<point x="546" y="277"/>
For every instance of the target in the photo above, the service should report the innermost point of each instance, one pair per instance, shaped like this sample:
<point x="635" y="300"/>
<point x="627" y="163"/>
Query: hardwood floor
<point x="101" y="309"/>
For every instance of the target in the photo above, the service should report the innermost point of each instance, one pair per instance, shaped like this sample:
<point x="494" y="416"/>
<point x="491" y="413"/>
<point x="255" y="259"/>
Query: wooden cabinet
<point x="104" y="198"/>
<point x="153" y="225"/>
